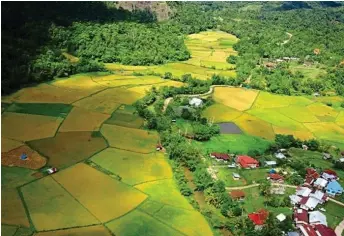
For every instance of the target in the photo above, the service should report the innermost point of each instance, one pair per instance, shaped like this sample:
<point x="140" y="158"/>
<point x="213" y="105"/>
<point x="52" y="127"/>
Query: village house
<point x="238" y="195"/>
<point x="323" y="230"/>
<point x="270" y="163"/>
<point x="334" y="188"/>
<point x="311" y="176"/>
<point x="316" y="217"/>
<point x="232" y="165"/>
<point x="303" y="191"/>
<point x="300" y="216"/>
<point x="294" y="199"/>
<point x="220" y="156"/>
<point x="196" y="102"/>
<point x="329" y="175"/>
<point x="258" y="218"/>
<point x="281" y="217"/>
<point x="308" y="203"/>
<point x="276" y="178"/>
<point x="320" y="183"/>
<point x="247" y="162"/>
<point x="307" y="230"/>
<point x="327" y="156"/>
<point x="320" y="196"/>
<point x="304" y="147"/>
<point x="236" y="176"/>
<point x="280" y="155"/>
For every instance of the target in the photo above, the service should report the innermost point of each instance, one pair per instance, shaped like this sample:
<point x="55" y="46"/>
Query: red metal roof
<point x="309" y="230"/>
<point x="237" y="194"/>
<point x="311" y="173"/>
<point x="330" y="172"/>
<point x="275" y="176"/>
<point x="304" y="200"/>
<point x="301" y="215"/>
<point x="259" y="218"/>
<point x="324" y="230"/>
<point x="222" y="156"/>
<point x="246" y="161"/>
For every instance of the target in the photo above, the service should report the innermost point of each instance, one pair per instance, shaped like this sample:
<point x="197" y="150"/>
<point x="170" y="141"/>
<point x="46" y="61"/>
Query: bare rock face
<point x="161" y="9"/>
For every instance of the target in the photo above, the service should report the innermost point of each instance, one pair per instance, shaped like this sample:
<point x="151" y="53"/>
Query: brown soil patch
<point x="12" y="209"/>
<point x="68" y="148"/>
<point x="34" y="161"/>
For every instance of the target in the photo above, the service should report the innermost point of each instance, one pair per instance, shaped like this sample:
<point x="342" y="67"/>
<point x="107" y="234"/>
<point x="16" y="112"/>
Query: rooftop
<point x="235" y="194"/>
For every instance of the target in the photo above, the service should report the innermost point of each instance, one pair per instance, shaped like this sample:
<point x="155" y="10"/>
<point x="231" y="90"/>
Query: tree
<point x="231" y="59"/>
<point x="168" y="75"/>
<point x="202" y="179"/>
<point x="265" y="187"/>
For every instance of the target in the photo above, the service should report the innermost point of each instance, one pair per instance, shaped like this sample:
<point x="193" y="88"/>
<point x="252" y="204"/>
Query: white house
<point x="196" y="102"/>
<point x="280" y="155"/>
<point x="270" y="163"/>
<point x="308" y="203"/>
<point x="294" y="199"/>
<point x="320" y="183"/>
<point x="316" y="217"/>
<point x="303" y="191"/>
<point x="320" y="196"/>
<point x="281" y="217"/>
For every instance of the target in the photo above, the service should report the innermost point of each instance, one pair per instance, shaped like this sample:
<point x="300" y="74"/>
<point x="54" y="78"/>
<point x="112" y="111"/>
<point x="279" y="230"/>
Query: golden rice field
<point x="264" y="114"/>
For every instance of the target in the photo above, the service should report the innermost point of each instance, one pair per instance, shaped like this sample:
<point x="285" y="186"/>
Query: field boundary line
<point x="74" y="227"/>
<point x="90" y="95"/>
<point x="254" y="101"/>
<point x="26" y="208"/>
<point x="100" y="222"/>
<point x="149" y="181"/>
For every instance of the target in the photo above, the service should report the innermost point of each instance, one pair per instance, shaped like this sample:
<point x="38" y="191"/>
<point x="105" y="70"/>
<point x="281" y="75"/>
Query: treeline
<point x="315" y="38"/>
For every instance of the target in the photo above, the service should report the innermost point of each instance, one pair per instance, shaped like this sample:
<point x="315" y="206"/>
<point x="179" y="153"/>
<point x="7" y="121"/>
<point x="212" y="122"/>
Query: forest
<point x="35" y="45"/>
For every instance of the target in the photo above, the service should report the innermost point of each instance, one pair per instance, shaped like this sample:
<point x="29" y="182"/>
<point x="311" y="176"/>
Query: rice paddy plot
<point x="137" y="80"/>
<point x="13" y="177"/>
<point x="12" y="208"/>
<point x="190" y="222"/>
<point x="327" y="130"/>
<point x="97" y="230"/>
<point x="24" y="232"/>
<point x="322" y="112"/>
<point x="150" y="207"/>
<point x="44" y="109"/>
<point x="275" y="118"/>
<point x="8" y="230"/>
<point x="301" y="134"/>
<point x="80" y="119"/>
<point x="236" y="98"/>
<point x="79" y="82"/>
<point x="254" y="126"/>
<point x="340" y="119"/>
<point x="9" y="144"/>
<point x="25" y="127"/>
<point x="216" y="65"/>
<point x="105" y="197"/>
<point x="33" y="159"/>
<point x="233" y="143"/>
<point x="118" y="67"/>
<point x="134" y="168"/>
<point x="269" y="100"/>
<point x="45" y="93"/>
<point x="51" y="207"/>
<point x="298" y="113"/>
<point x="4" y="106"/>
<point x="145" y="88"/>
<point x="166" y="192"/>
<point x="140" y="223"/>
<point x="125" y="116"/>
<point x="220" y="113"/>
<point x="68" y="148"/>
<point x="135" y="140"/>
<point x="336" y="101"/>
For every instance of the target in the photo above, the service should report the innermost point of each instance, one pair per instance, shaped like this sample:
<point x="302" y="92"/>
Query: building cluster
<point x="315" y="191"/>
<point x="241" y="161"/>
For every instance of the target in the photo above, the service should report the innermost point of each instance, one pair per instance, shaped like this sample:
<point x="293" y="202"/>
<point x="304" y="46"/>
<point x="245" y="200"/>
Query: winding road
<point x="286" y="41"/>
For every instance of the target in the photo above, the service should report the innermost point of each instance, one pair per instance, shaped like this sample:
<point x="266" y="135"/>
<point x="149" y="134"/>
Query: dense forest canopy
<point x="33" y="42"/>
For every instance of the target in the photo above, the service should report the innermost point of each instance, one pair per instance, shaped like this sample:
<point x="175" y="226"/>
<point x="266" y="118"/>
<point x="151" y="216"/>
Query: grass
<point x="47" y="200"/>
<point x="237" y="98"/>
<point x="252" y="125"/>
<point x="12" y="177"/>
<point x="125" y="116"/>
<point x="44" y="109"/>
<point x="98" y="230"/>
<point x="315" y="158"/>
<point x="139" y="223"/>
<point x="311" y="72"/>
<point x="166" y="192"/>
<point x="136" y="140"/>
<point x="134" y="168"/>
<point x="8" y="230"/>
<point x="233" y="143"/>
<point x="226" y="175"/>
<point x="68" y="148"/>
<point x="28" y="127"/>
<point x="97" y="191"/>
<point x="220" y="113"/>
<point x="334" y="214"/>
<point x="80" y="119"/>
<point x="186" y="221"/>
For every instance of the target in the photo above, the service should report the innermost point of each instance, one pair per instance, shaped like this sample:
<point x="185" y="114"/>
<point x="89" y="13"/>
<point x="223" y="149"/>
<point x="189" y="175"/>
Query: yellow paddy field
<point x="237" y="98"/>
<point x="97" y="230"/>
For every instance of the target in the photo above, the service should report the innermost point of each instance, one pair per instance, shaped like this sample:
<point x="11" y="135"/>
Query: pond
<point x="229" y="128"/>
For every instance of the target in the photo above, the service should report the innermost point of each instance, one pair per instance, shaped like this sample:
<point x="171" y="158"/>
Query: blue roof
<point x="334" y="186"/>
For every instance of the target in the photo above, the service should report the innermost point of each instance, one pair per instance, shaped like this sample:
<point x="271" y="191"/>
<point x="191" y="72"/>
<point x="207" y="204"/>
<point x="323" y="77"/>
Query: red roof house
<point x="311" y="173"/>
<point x="221" y="156"/>
<point x="247" y="162"/>
<point x="276" y="177"/>
<point x="324" y="230"/>
<point x="307" y="230"/>
<point x="259" y="217"/>
<point x="300" y="216"/>
<point x="237" y="194"/>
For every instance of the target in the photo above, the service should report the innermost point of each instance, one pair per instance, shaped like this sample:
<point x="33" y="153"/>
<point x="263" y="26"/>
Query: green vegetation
<point x="125" y="116"/>
<point x="44" y="109"/>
